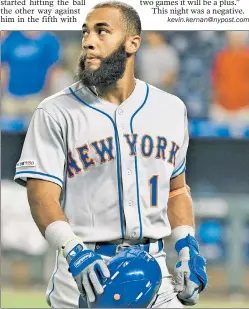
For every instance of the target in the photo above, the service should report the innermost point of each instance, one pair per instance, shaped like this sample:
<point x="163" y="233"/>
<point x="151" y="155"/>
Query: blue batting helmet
<point x="135" y="279"/>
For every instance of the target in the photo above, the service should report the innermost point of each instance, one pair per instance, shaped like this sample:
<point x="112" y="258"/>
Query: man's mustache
<point x="83" y="58"/>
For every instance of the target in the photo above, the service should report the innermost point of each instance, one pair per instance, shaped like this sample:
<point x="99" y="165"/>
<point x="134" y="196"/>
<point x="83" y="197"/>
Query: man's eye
<point x="103" y="31"/>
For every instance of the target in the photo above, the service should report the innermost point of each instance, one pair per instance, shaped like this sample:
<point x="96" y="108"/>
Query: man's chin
<point x="92" y="66"/>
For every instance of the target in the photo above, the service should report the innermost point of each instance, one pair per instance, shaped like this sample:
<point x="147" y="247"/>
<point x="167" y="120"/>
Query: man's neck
<point x="119" y="92"/>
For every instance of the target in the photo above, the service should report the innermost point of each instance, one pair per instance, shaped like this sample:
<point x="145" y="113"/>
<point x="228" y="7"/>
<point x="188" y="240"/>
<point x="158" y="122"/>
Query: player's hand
<point x="190" y="274"/>
<point x="87" y="267"/>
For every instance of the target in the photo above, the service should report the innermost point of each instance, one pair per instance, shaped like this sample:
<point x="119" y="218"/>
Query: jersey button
<point x="130" y="203"/>
<point x="120" y="111"/>
<point x="129" y="172"/>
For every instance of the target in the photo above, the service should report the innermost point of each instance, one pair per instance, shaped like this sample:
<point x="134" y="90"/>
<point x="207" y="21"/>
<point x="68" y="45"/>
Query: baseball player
<point x="104" y="165"/>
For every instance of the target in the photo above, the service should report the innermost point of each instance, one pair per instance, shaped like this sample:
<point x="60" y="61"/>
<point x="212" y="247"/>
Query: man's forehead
<point x="110" y="16"/>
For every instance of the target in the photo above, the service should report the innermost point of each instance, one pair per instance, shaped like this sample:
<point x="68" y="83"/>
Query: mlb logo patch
<point x="29" y="163"/>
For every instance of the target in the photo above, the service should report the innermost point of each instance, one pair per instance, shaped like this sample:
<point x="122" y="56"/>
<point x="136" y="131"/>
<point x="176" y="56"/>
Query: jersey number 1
<point x="153" y="183"/>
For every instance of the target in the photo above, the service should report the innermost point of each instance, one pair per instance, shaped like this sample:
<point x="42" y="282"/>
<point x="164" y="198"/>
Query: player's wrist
<point x="179" y="233"/>
<point x="59" y="235"/>
<point x="182" y="231"/>
<point x="73" y="245"/>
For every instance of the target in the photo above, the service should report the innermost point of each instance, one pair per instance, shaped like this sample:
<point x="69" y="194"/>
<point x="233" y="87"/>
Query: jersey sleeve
<point x="52" y="50"/>
<point x="180" y="165"/>
<point x="5" y="50"/>
<point x="43" y="154"/>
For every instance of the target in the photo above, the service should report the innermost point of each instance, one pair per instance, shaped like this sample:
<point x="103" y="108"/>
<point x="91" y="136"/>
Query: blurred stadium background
<point x="209" y="71"/>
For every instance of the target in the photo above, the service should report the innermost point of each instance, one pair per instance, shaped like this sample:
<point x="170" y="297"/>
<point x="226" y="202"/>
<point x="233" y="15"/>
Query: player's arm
<point x="4" y="74"/>
<point x="5" y="60"/>
<point x="180" y="210"/>
<point x="42" y="169"/>
<point x="43" y="197"/>
<point x="190" y="272"/>
<point x="170" y="78"/>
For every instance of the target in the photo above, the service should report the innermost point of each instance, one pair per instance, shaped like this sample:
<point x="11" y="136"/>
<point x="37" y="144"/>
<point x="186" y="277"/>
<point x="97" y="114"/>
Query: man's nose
<point x="89" y="42"/>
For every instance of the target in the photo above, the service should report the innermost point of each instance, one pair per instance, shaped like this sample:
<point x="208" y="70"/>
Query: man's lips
<point x="92" y="59"/>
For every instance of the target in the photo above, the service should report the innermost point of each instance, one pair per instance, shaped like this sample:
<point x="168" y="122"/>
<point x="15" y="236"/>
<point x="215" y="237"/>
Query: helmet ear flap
<point x="134" y="282"/>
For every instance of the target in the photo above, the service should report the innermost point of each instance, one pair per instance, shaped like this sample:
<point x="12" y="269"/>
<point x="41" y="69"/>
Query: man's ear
<point x="132" y="44"/>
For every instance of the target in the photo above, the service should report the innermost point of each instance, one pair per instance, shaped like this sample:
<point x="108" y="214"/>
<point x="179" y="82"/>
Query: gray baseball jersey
<point x="113" y="163"/>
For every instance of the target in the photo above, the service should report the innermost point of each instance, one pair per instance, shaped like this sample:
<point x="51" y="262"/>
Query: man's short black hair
<point x="130" y="15"/>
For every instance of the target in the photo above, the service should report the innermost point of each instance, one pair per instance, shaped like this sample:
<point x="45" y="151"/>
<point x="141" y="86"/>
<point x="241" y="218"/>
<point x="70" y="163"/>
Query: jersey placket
<point x="128" y="176"/>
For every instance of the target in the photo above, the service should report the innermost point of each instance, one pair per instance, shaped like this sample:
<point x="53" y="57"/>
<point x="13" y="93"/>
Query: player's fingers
<point x="103" y="269"/>
<point x="179" y="282"/>
<point x="186" y="294"/>
<point x="190" y="288"/>
<point x="79" y="283"/>
<point x="190" y="300"/>
<point x="95" y="282"/>
<point x="88" y="288"/>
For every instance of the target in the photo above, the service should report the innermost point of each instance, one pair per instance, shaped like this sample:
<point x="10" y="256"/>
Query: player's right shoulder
<point x="58" y="99"/>
<point x="61" y="103"/>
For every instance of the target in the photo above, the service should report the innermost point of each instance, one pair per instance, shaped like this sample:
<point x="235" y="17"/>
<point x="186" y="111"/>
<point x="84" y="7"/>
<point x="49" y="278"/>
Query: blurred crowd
<point x="208" y="70"/>
<point x="33" y="67"/>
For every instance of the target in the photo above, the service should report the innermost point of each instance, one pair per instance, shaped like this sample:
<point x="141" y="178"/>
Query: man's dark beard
<point x="110" y="71"/>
